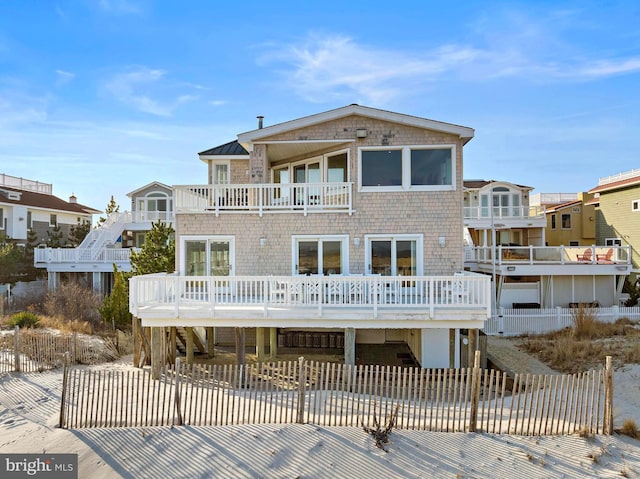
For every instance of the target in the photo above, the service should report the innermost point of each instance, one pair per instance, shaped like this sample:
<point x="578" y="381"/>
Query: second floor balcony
<point x="501" y="213"/>
<point x="310" y="301"/>
<point x="263" y="198"/>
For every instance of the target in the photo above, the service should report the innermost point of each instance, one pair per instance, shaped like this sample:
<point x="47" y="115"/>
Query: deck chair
<point x="586" y="256"/>
<point x="605" y="258"/>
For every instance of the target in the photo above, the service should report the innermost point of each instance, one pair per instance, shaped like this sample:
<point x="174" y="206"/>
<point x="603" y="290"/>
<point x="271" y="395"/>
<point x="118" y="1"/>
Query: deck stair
<point x="106" y="234"/>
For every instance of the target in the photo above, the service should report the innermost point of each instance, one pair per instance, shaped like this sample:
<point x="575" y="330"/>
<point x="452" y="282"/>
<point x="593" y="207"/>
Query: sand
<point x="29" y="409"/>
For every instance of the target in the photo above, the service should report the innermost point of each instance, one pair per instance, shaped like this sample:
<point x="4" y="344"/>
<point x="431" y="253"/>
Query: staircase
<point x="94" y="243"/>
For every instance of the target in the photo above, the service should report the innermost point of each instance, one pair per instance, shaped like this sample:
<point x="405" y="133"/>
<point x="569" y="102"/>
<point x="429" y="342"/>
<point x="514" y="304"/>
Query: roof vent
<point x="260" y="118"/>
<point x="73" y="199"/>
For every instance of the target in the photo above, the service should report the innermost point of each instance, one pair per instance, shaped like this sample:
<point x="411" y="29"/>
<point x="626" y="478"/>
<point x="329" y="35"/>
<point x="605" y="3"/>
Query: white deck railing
<point x="502" y="213"/>
<point x="350" y="292"/>
<point x="264" y="197"/>
<point x="516" y="322"/>
<point x="550" y="254"/>
<point x="81" y="255"/>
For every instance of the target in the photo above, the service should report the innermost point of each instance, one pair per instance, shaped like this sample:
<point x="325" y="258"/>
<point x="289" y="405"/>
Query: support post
<point x="452" y="348"/>
<point x="608" y="397"/>
<point x="475" y="392"/>
<point x="157" y="352"/>
<point x="240" y="346"/>
<point x="16" y="348"/>
<point x="273" y="343"/>
<point x="210" y="343"/>
<point x="137" y="340"/>
<point x="302" y="384"/>
<point x="472" y="346"/>
<point x="350" y="347"/>
<point x="189" y="334"/>
<point x="173" y="344"/>
<point x="260" y="352"/>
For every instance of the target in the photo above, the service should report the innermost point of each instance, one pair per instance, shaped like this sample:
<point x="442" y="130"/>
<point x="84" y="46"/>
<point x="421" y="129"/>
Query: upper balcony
<point x="540" y="260"/>
<point x="83" y="259"/>
<point x="311" y="301"/>
<point x="263" y="198"/>
<point x="508" y="216"/>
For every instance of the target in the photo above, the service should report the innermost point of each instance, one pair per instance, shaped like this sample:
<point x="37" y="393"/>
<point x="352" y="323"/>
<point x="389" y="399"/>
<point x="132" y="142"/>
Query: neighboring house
<point x="571" y="222"/>
<point x="509" y="242"/>
<point x="111" y="242"/>
<point x="30" y="206"/>
<point x="341" y="227"/>
<point x="617" y="212"/>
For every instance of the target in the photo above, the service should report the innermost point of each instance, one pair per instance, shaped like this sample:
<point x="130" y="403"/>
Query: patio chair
<point x="605" y="258"/>
<point x="586" y="256"/>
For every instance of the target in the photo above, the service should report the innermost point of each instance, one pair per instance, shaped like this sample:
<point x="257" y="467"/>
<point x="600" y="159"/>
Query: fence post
<point x="74" y="347"/>
<point x="559" y="317"/>
<point x="65" y="375"/>
<point x="176" y="372"/>
<point x="475" y="393"/>
<point x="608" y="397"/>
<point x="16" y="348"/>
<point x="302" y="381"/>
<point x="501" y="320"/>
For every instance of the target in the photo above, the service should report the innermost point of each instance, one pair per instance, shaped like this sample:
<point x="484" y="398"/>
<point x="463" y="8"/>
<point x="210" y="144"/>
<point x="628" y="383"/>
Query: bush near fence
<point x="30" y="350"/>
<point x="329" y="394"/>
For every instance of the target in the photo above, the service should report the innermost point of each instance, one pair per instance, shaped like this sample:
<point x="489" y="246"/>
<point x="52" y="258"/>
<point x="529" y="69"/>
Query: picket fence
<point x="516" y="322"/>
<point x="329" y="394"/>
<point x="29" y="350"/>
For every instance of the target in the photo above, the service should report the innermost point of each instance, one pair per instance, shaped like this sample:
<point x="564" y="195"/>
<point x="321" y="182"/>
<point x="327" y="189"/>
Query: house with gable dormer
<point x="342" y="228"/>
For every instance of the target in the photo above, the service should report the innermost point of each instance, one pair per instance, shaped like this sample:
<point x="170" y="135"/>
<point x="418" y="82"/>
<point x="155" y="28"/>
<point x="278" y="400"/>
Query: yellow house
<point x="571" y="223"/>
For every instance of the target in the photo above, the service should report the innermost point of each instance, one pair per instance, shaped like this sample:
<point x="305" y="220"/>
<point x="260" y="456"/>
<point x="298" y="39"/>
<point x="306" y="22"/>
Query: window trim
<point x="613" y="241"/>
<point x="635" y="205"/>
<point x="418" y="238"/>
<point x="324" y="165"/>
<point x="554" y="222"/>
<point x="406" y="168"/>
<point x="232" y="250"/>
<point x="1" y="218"/>
<point x="53" y="220"/>
<point x="562" y="217"/>
<point x="344" y="250"/>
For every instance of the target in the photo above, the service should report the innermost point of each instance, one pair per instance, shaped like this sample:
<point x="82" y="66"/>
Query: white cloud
<point x="136" y="86"/>
<point x="64" y="77"/>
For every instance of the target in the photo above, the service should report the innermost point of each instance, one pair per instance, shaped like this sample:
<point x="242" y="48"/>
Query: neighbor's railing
<point x="82" y="255"/>
<point x="516" y="322"/>
<point x="329" y="394"/>
<point x="264" y="197"/>
<point x="550" y="254"/>
<point x="503" y="212"/>
<point x="372" y="292"/>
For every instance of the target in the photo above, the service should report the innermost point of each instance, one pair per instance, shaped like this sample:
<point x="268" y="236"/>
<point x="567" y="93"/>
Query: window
<point x="1" y="219"/>
<point x="208" y="256"/>
<point x="635" y="205"/>
<point x="320" y="255"/>
<point x="566" y="221"/>
<point x="420" y="168"/>
<point x="613" y="242"/>
<point x="574" y="243"/>
<point x="394" y="255"/>
<point x="53" y="220"/>
<point x="29" y="220"/>
<point x="553" y="221"/>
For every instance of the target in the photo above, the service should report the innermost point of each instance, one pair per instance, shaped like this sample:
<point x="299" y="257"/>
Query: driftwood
<point x="381" y="435"/>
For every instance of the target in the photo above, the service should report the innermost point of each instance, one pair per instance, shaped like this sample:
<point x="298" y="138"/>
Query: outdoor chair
<point x="586" y="256"/>
<point x="605" y="258"/>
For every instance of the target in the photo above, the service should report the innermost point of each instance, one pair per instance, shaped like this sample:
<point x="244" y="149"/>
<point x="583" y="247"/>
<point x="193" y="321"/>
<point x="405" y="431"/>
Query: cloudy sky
<point x="100" y="97"/>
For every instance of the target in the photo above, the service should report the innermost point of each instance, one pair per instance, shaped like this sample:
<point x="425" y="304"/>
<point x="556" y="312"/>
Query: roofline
<point x="147" y="186"/>
<point x="254" y="135"/>
<point x="615" y="185"/>
<point x="206" y="158"/>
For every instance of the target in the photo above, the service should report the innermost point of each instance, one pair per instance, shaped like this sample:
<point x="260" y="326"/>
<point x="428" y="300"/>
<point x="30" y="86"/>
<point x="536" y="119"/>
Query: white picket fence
<point x="515" y="322"/>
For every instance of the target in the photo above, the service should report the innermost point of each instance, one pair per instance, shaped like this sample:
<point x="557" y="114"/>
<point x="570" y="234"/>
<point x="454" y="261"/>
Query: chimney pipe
<point x="73" y="199"/>
<point x="260" y="118"/>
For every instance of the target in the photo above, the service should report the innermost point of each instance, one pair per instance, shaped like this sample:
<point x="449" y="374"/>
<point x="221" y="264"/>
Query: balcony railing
<point x="153" y="216"/>
<point x="264" y="198"/>
<point x="175" y="295"/>
<point x="503" y="212"/>
<point x="81" y="255"/>
<point x="620" y="255"/>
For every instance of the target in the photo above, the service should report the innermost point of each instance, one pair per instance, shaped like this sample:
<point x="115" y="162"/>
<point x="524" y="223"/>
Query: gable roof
<point x="45" y="201"/>
<point x="153" y="183"/>
<point x="255" y="135"/>
<point x="479" y="184"/>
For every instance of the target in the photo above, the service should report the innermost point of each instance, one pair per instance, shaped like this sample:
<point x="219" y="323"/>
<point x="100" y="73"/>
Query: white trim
<point x="344" y="249"/>
<point x="635" y="205"/>
<point x="405" y="152"/>
<point x="208" y="158"/>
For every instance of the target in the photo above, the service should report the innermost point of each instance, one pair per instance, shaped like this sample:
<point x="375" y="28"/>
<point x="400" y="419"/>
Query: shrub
<point x="73" y="302"/>
<point x="24" y="319"/>
<point x="585" y="323"/>
<point x="630" y="428"/>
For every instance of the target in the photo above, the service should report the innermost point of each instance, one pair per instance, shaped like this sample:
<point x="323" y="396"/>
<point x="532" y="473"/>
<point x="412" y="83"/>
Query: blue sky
<point x="100" y="97"/>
